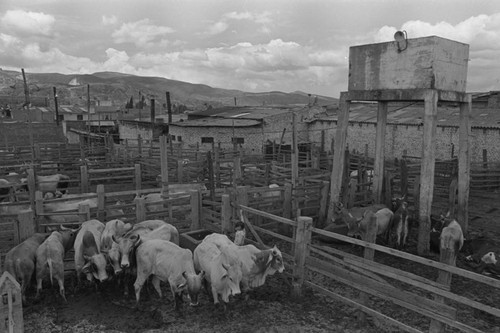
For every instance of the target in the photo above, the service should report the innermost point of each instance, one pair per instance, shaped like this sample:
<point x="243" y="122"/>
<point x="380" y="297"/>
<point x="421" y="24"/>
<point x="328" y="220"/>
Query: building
<point x="250" y="128"/>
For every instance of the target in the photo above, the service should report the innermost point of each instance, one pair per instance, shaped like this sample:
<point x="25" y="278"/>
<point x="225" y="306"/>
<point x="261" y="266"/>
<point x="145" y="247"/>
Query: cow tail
<point x="49" y="263"/>
<point x="19" y="272"/>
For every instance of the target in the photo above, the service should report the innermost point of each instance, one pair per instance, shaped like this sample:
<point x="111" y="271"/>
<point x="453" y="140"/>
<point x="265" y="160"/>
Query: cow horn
<point x="226" y="267"/>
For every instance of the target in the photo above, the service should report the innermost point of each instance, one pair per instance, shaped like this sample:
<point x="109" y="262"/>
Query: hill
<point x="119" y="88"/>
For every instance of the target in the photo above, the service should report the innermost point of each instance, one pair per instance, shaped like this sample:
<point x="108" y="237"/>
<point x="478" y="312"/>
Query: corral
<point x="332" y="275"/>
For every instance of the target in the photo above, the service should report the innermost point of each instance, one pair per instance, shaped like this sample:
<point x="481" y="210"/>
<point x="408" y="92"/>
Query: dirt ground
<point x="270" y="308"/>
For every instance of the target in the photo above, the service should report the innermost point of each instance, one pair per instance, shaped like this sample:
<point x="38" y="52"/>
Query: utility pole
<point x="27" y="103"/>
<point x="56" y="105"/>
<point x="88" y="117"/>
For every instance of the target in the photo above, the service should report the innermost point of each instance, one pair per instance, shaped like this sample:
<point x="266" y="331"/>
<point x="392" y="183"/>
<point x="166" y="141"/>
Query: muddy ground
<point x="270" y="308"/>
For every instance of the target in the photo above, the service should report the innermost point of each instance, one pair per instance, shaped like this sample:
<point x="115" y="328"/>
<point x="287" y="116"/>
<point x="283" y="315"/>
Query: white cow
<point x="166" y="261"/>
<point x="223" y="271"/>
<point x="256" y="264"/>
<point x="88" y="258"/>
<point x="50" y="258"/>
<point x="116" y="228"/>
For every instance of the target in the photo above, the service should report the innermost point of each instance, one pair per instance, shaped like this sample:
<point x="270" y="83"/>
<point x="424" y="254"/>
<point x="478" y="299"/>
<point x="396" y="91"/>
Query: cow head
<point x="489" y="258"/>
<point x="192" y="285"/>
<point x="114" y="258"/>
<point x="230" y="279"/>
<point x="95" y="267"/>
<point x="398" y="202"/>
<point x="352" y="222"/>
<point x="68" y="236"/>
<point x="125" y="246"/>
<point x="276" y="260"/>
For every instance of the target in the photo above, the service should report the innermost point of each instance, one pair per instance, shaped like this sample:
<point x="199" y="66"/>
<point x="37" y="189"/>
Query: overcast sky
<point x="253" y="45"/>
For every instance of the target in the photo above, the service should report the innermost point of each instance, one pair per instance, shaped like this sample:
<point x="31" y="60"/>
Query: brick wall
<point x="409" y="138"/>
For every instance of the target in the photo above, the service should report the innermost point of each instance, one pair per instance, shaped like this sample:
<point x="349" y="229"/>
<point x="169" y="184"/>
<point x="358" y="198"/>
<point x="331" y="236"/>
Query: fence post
<point x="101" y="203"/>
<point x="83" y="212"/>
<point x="195" y="210"/>
<point x="26" y="225"/>
<point x="226" y="213"/>
<point x="31" y="185"/>
<point x="446" y="256"/>
<point x="369" y="254"/>
<point x="323" y="203"/>
<point x="237" y="171"/>
<point x="180" y="171"/>
<point x="84" y="179"/>
<point x="287" y="202"/>
<point x="140" y="209"/>
<point x="139" y="145"/>
<point x="38" y="208"/>
<point x="302" y="241"/>
<point x="138" y="177"/>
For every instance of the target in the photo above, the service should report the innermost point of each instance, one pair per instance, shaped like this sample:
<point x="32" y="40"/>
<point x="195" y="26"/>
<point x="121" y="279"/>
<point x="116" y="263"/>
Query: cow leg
<point x="61" y="288"/>
<point x="139" y="282"/>
<point x="177" y="300"/>
<point x="156" y="284"/>
<point x="38" y="287"/>
<point x="215" y="296"/>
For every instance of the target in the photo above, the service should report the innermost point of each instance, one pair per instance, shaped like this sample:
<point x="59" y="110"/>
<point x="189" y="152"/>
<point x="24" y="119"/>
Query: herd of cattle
<point x="118" y="250"/>
<point x="147" y="250"/>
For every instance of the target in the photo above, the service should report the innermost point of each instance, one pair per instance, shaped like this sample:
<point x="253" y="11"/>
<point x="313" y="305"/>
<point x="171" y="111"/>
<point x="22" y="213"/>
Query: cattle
<point x="399" y="228"/>
<point x="112" y="228"/>
<point x="476" y="248"/>
<point x="143" y="231"/>
<point x="167" y="261"/>
<point x="223" y="271"/>
<point x="50" y="258"/>
<point x="173" y="189"/>
<point x="20" y="260"/>
<point x="53" y="183"/>
<point x="256" y="264"/>
<point x="68" y="205"/>
<point x="355" y="213"/>
<point x="489" y="264"/>
<point x="10" y="187"/>
<point x="358" y="225"/>
<point x="452" y="237"/>
<point x="88" y="258"/>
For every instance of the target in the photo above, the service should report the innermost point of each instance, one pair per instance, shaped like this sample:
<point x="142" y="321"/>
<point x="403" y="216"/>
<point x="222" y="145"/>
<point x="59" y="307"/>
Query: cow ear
<point x="181" y="286"/>
<point x="275" y="250"/>
<point x="137" y="242"/>
<point x="127" y="227"/>
<point x="86" y="257"/>
<point x="114" y="238"/>
<point x="86" y="268"/>
<point x="270" y="258"/>
<point x="201" y="274"/>
<point x="184" y="274"/>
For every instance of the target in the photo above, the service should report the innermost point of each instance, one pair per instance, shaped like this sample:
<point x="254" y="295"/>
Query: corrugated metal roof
<point x="218" y="122"/>
<point x="412" y="114"/>
<point x="247" y="112"/>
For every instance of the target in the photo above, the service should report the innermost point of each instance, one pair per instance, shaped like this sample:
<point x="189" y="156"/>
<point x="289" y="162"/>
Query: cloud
<point x="216" y="28"/>
<point x="27" y="23"/>
<point x="109" y="20"/>
<point x="261" y="18"/>
<point x="140" y="33"/>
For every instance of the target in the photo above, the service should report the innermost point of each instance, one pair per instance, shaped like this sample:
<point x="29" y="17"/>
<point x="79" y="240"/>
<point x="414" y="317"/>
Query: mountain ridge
<point x="120" y="87"/>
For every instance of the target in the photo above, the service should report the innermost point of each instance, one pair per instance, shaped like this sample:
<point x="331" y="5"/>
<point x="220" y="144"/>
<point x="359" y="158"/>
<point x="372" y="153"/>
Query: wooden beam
<point x="427" y="171"/>
<point x="378" y="169"/>
<point x="338" y="154"/>
<point x="464" y="158"/>
<point x="405" y="95"/>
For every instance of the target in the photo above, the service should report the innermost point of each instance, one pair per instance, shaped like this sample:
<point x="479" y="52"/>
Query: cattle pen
<point x="383" y="283"/>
